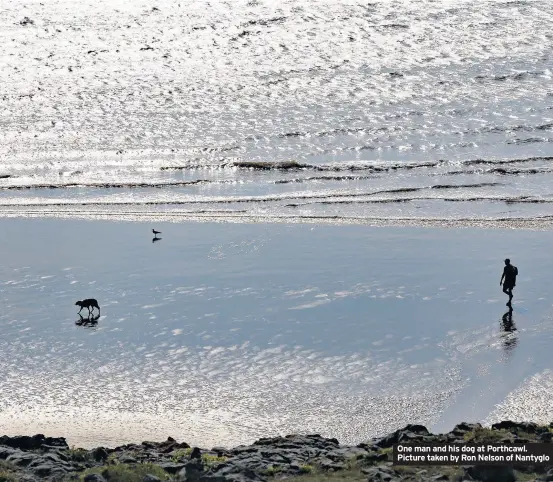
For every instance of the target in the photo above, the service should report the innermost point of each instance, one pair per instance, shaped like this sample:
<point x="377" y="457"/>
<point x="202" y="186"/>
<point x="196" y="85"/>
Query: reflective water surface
<point x="223" y="333"/>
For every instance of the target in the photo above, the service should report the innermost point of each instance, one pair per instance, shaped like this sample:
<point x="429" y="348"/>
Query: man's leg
<point x="508" y="290"/>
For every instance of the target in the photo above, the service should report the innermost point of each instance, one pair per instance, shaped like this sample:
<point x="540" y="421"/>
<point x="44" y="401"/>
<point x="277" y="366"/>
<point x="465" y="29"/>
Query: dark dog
<point x="91" y="302"/>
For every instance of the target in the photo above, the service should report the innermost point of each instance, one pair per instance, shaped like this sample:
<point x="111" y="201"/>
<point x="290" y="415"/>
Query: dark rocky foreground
<point x="310" y="457"/>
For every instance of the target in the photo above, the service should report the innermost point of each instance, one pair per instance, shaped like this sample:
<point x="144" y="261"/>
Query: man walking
<point x="510" y="277"/>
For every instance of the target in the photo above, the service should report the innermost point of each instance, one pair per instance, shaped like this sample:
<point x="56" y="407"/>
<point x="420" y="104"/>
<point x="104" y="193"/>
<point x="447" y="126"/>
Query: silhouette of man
<point x="508" y="279"/>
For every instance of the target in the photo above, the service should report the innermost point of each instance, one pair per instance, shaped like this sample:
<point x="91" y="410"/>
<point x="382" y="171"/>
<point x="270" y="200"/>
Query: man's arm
<point x="502" y="276"/>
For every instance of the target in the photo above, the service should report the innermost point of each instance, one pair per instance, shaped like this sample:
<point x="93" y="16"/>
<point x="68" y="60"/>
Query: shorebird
<point x="156" y="232"/>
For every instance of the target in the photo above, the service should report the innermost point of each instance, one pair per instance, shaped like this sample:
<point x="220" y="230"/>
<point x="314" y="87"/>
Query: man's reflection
<point x="508" y="332"/>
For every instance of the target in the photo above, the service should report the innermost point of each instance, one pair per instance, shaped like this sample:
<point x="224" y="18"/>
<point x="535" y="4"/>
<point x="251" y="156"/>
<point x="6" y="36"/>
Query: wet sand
<point x="223" y="333"/>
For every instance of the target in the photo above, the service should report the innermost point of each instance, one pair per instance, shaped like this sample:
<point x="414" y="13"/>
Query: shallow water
<point x="398" y="110"/>
<point x="223" y="333"/>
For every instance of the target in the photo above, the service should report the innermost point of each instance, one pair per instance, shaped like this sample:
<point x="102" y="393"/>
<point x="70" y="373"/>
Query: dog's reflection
<point x="89" y="321"/>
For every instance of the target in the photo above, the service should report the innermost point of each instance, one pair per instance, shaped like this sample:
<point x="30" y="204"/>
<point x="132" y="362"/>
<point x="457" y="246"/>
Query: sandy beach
<point x="224" y="333"/>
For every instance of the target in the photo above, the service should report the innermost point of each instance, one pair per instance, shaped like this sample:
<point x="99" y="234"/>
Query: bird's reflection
<point x="155" y="238"/>
<point x="89" y="321"/>
<point x="508" y="332"/>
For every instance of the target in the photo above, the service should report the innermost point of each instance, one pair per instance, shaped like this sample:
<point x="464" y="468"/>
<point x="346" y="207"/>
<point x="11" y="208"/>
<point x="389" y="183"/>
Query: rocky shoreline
<point x="304" y="457"/>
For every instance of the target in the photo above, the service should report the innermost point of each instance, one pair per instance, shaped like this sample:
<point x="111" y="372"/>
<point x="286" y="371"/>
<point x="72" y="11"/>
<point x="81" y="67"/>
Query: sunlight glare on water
<point x="263" y="110"/>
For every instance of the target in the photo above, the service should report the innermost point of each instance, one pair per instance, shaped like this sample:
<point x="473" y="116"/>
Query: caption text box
<point x="473" y="454"/>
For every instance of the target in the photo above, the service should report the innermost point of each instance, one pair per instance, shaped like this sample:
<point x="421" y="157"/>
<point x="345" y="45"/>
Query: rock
<point x="134" y="447"/>
<point x="509" y="425"/>
<point x="100" y="454"/>
<point x="297" y="441"/>
<point x="410" y="433"/>
<point x="27" y="21"/>
<point x="196" y="453"/>
<point x="463" y="427"/>
<point x="94" y="478"/>
<point x="275" y="455"/>
<point x="171" y="468"/>
<point x="421" y="429"/>
<point x="236" y="464"/>
<point x="192" y="471"/>
<point x="373" y="458"/>
<point x="127" y="459"/>
<point x="151" y="478"/>
<point x="32" y="443"/>
<point x="380" y="474"/>
<point x="241" y="475"/>
<point x="491" y="473"/>
<point x="47" y="465"/>
<point x="221" y="451"/>
<point x="167" y="448"/>
<point x="170" y="445"/>
<point x="55" y="458"/>
<point x="51" y="448"/>
<point x="243" y="449"/>
<point x="368" y="446"/>
<point x="47" y="470"/>
<point x="5" y="452"/>
<point x="330" y="465"/>
<point x="60" y="455"/>
<point x="345" y="453"/>
<point x="22" y="459"/>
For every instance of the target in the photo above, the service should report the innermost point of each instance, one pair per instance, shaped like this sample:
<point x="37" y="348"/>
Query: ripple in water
<point x="240" y="100"/>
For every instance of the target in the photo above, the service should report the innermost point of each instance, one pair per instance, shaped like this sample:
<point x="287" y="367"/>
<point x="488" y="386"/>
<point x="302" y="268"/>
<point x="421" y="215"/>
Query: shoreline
<point x="539" y="223"/>
<point x="303" y="457"/>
